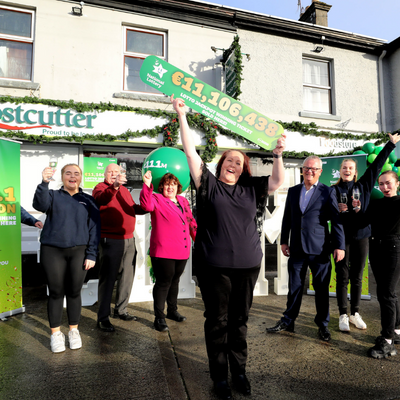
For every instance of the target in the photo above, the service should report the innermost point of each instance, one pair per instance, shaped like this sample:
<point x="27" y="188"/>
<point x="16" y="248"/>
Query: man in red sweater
<point x="117" y="246"/>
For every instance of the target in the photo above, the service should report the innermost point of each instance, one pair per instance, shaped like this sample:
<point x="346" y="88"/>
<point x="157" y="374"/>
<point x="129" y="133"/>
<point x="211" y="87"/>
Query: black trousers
<point x="351" y="269"/>
<point x="320" y="266"/>
<point x="385" y="264"/>
<point x="116" y="261"/>
<point x="228" y="295"/>
<point x="166" y="288"/>
<point x="65" y="276"/>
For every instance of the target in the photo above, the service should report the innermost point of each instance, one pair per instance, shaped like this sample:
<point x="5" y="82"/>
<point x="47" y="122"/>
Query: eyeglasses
<point x="311" y="169"/>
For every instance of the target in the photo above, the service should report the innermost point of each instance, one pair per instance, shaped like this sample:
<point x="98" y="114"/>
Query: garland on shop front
<point x="237" y="66"/>
<point x="170" y="130"/>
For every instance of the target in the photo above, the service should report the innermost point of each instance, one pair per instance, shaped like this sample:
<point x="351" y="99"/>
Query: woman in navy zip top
<point x="69" y="242"/>
<point x="352" y="266"/>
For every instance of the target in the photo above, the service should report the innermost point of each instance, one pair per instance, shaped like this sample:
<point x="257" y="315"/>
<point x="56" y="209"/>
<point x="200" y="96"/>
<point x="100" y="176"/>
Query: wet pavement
<point x="136" y="362"/>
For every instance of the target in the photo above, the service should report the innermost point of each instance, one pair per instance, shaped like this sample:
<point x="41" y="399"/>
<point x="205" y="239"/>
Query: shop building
<point x="69" y="75"/>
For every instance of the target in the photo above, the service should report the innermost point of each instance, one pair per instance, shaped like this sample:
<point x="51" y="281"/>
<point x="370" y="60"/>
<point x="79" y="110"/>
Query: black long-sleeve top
<point x="353" y="229"/>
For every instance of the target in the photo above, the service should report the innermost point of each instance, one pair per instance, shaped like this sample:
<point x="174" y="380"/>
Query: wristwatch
<point x="276" y="155"/>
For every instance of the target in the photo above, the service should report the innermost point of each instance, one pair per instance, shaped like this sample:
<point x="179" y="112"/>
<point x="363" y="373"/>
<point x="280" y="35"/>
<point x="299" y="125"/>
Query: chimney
<point x="316" y="13"/>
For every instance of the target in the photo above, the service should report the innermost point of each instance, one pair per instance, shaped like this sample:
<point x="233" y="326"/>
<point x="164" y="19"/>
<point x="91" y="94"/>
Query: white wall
<point x="81" y="58"/>
<point x="273" y="81"/>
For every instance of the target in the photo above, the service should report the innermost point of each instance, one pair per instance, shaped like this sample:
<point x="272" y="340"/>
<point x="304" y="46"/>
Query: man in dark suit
<point x="309" y="207"/>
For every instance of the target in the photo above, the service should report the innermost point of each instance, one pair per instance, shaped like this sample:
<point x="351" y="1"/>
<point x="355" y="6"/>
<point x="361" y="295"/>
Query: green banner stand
<point x="330" y="175"/>
<point x="10" y="230"/>
<point x="214" y="104"/>
<point x="93" y="170"/>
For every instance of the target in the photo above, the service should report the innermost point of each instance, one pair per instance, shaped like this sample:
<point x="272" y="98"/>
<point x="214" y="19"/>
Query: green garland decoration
<point x="237" y="66"/>
<point x="170" y="130"/>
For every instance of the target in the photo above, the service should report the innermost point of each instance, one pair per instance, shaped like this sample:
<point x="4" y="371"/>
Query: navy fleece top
<point x="71" y="220"/>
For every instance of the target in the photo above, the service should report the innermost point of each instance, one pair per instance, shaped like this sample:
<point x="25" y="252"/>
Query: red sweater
<point x="117" y="211"/>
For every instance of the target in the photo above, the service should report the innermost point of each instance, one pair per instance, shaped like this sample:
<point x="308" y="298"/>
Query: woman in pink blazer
<point x="172" y="226"/>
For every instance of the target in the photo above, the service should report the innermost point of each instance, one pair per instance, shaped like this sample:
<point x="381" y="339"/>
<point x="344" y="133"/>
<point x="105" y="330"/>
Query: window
<point x="316" y="86"/>
<point x="16" y="43"/>
<point x="138" y="45"/>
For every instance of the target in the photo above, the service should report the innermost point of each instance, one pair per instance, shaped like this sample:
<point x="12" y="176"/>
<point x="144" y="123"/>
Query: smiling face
<point x="232" y="167"/>
<point x="170" y="190"/>
<point x="388" y="184"/>
<point x="71" y="178"/>
<point x="312" y="169"/>
<point x="348" y="170"/>
<point x="111" y="173"/>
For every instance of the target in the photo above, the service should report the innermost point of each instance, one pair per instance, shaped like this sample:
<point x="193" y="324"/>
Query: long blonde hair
<point x="341" y="165"/>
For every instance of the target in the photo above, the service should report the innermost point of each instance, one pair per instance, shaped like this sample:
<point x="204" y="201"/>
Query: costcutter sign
<point x="53" y="121"/>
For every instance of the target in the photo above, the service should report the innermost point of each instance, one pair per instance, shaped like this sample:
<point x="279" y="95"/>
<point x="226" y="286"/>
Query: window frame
<point x="21" y="39"/>
<point x="142" y="56"/>
<point x="328" y="88"/>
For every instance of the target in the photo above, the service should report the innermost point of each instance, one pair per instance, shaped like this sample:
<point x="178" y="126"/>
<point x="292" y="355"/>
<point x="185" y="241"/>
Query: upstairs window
<point x="317" y="86"/>
<point x="138" y="45"/>
<point x="16" y="43"/>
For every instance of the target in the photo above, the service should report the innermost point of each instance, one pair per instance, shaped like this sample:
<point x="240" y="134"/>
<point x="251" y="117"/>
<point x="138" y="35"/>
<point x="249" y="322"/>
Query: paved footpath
<point x="136" y="362"/>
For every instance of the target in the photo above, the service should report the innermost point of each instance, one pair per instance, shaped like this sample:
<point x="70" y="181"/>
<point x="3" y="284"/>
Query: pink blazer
<point x="171" y="229"/>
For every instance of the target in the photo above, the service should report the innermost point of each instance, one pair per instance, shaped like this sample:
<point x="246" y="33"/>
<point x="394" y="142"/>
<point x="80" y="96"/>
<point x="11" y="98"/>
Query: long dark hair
<point x="246" y="163"/>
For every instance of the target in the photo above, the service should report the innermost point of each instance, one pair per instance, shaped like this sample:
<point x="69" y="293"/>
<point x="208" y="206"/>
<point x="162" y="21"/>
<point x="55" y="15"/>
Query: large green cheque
<point x="212" y="103"/>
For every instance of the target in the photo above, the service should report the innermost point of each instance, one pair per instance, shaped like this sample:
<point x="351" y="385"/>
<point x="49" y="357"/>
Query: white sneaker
<point x="57" y="342"/>
<point x="344" y="323"/>
<point x="74" y="338"/>
<point x="357" y="321"/>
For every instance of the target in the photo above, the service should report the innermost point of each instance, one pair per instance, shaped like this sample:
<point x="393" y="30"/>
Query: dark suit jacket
<point x="309" y="231"/>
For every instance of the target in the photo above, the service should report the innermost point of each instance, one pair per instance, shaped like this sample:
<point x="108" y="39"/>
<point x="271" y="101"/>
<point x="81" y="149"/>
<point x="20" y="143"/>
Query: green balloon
<point x="359" y="152"/>
<point x="371" y="158"/>
<point x="386" y="167"/>
<point x="393" y="157"/>
<point x="395" y="169"/>
<point x="164" y="160"/>
<point x="378" y="149"/>
<point x="376" y="194"/>
<point x="398" y="173"/>
<point x="368" y="148"/>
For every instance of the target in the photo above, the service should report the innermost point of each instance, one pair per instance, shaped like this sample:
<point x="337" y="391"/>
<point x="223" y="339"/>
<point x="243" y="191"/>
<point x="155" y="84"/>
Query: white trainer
<point x="357" y="321"/>
<point x="344" y="323"/>
<point x="74" y="338"/>
<point x="57" y="342"/>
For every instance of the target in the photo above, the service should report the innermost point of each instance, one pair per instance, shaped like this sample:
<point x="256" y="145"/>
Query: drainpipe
<point x="382" y="92"/>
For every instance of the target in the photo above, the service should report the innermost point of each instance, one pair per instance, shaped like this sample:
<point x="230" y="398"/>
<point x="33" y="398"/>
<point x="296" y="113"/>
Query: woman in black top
<point x="68" y="248"/>
<point x="384" y="216"/>
<point x="228" y="251"/>
<point x="352" y="266"/>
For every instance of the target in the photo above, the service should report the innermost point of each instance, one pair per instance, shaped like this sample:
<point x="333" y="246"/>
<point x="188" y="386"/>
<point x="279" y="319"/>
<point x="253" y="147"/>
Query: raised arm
<point x="193" y="158"/>
<point x="278" y="171"/>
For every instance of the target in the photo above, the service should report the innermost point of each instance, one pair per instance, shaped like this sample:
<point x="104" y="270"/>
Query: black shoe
<point x="175" y="316"/>
<point x="160" y="325"/>
<point x="396" y="338"/>
<point x="242" y="384"/>
<point x="222" y="390"/>
<point x="324" y="334"/>
<point x="382" y="349"/>
<point x="125" y="316"/>
<point x="105" y="326"/>
<point x="281" y="326"/>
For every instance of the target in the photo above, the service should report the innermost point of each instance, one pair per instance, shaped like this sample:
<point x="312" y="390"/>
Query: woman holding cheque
<point x="229" y="251"/>
<point x="172" y="226"/>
